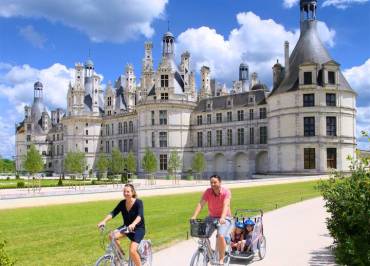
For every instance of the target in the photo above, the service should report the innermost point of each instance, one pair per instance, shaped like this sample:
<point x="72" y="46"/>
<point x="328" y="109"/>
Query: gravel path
<point x="296" y="235"/>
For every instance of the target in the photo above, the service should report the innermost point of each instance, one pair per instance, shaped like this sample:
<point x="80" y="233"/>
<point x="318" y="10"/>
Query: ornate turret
<point x="168" y="42"/>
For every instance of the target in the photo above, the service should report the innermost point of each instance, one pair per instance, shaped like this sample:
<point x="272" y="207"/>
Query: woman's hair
<point x="134" y="194"/>
<point x="215" y="176"/>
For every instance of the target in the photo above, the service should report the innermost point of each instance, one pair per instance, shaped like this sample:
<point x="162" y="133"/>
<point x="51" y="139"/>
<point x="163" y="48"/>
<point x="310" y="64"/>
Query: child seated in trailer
<point x="248" y="233"/>
<point x="237" y="236"/>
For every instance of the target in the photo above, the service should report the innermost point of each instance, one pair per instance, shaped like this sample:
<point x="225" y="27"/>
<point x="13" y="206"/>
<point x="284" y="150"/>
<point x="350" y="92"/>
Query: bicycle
<point x="204" y="254"/>
<point x="113" y="255"/>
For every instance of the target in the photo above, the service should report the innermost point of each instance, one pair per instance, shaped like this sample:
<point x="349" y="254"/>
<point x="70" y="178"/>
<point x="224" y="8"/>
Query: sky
<point x="43" y="40"/>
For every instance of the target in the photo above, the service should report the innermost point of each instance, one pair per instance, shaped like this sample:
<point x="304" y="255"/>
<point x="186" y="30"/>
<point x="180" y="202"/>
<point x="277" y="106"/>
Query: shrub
<point x="20" y="184"/>
<point x="60" y="182"/>
<point x="17" y="176"/>
<point x="170" y="177"/>
<point x="5" y="260"/>
<point x="8" y="178"/>
<point x="93" y="182"/>
<point x="348" y="202"/>
<point x="189" y="177"/>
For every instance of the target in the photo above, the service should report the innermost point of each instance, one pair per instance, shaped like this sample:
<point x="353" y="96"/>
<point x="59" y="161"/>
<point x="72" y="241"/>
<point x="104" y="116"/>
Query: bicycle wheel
<point x="147" y="258"/>
<point x="106" y="260"/>
<point x="199" y="258"/>
<point x="261" y="246"/>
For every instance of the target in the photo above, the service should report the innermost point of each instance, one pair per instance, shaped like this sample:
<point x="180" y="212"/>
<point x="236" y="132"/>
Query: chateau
<point x="305" y="125"/>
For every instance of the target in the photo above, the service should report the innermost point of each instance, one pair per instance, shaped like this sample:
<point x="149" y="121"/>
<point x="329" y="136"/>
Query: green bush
<point x="5" y="260"/>
<point x="348" y="202"/>
<point x="17" y="176"/>
<point x="189" y="177"/>
<point x="20" y="184"/>
<point x="60" y="182"/>
<point x="93" y="182"/>
<point x="170" y="177"/>
<point x="8" y="178"/>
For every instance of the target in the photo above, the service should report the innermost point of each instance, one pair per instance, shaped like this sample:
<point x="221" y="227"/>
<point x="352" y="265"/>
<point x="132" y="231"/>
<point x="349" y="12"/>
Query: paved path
<point x="52" y="196"/>
<point x="296" y="235"/>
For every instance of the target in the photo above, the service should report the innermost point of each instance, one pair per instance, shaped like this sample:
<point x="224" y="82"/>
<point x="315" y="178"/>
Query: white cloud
<point x="16" y="83"/>
<point x="343" y="4"/>
<point x="7" y="138"/>
<point x="290" y="3"/>
<point x="109" y="20"/>
<point x="363" y="124"/>
<point x="359" y="78"/>
<point x="259" y="42"/>
<point x="31" y="35"/>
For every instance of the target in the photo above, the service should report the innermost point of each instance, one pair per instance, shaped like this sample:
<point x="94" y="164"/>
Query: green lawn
<point x="67" y="234"/>
<point x="12" y="183"/>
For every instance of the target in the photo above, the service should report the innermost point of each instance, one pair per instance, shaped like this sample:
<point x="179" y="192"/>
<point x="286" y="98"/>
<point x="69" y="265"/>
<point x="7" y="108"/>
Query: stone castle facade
<point x="305" y="125"/>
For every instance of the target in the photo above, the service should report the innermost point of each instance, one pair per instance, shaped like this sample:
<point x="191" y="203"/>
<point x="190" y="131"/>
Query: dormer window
<point x="331" y="77"/>
<point x="164" y="81"/>
<point x="251" y="99"/>
<point x="109" y="101"/>
<point x="307" y="78"/>
<point x="164" y="96"/>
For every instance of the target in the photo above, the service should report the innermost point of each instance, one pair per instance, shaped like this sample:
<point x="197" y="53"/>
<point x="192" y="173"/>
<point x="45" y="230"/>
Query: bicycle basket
<point x="201" y="228"/>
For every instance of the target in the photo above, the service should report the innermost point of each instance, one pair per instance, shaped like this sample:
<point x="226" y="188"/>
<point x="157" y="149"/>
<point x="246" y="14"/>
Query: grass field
<point x="67" y="234"/>
<point x="12" y="183"/>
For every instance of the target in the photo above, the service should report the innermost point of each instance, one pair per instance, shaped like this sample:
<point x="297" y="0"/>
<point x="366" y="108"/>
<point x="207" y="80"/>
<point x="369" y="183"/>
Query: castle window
<point x="331" y="77"/>
<point x="209" y="138"/>
<point x="28" y="137"/>
<point x="229" y="137"/>
<point x="209" y="118"/>
<point x="164" y="81"/>
<point x="309" y="158"/>
<point x="262" y="113"/>
<point x="309" y="126"/>
<point x="120" y="128"/>
<point x="307" y="78"/>
<point x="163" y="117"/>
<point x="120" y="145"/>
<point x="163" y="162"/>
<point x="153" y="118"/>
<point x="87" y="133"/>
<point x="240" y="115"/>
<point x="124" y="127"/>
<point x="109" y="112"/>
<point x="200" y="139"/>
<point x="251" y="114"/>
<point x="331" y="158"/>
<point x="331" y="126"/>
<point x="219" y="117"/>
<point x="109" y="101"/>
<point x="153" y="139"/>
<point x="86" y="149"/>
<point x="107" y="130"/>
<point x="125" y="145"/>
<point x="240" y="136"/>
<point x="331" y="99"/>
<point x="219" y="137"/>
<point x="251" y="135"/>
<point x="308" y="100"/>
<point x="199" y="120"/>
<point x="130" y="145"/>
<point x="229" y="116"/>
<point x="163" y="139"/>
<point x="263" y="135"/>
<point x="164" y="96"/>
<point x="107" y="146"/>
<point x="130" y="127"/>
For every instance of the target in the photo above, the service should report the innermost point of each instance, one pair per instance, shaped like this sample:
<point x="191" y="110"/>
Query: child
<point x="237" y="236"/>
<point x="249" y="225"/>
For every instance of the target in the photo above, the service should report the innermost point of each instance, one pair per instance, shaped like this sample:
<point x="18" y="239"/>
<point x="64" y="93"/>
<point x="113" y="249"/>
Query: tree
<point x="149" y="162"/>
<point x="131" y="164"/>
<point x="102" y="164"/>
<point x="348" y="201"/>
<point x="174" y="163"/>
<point x="5" y="260"/>
<point x="75" y="163"/>
<point x="117" y="162"/>
<point x="33" y="162"/>
<point x="199" y="163"/>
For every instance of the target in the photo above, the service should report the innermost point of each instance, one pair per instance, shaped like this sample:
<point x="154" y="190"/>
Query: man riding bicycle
<point x="218" y="200"/>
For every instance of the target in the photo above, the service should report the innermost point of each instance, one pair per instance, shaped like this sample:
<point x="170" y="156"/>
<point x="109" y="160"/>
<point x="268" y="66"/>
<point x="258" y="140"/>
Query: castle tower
<point x="205" y="90"/>
<point x="130" y="86"/>
<point x="168" y="43"/>
<point x="244" y="76"/>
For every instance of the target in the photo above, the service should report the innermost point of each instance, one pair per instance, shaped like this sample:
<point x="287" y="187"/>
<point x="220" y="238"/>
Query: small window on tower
<point x="307" y="78"/>
<point x="331" y="77"/>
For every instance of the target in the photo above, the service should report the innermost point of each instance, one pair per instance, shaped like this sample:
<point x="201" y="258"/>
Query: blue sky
<point x="42" y="40"/>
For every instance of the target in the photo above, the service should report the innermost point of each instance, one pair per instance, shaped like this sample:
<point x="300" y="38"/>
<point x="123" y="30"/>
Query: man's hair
<point x="215" y="176"/>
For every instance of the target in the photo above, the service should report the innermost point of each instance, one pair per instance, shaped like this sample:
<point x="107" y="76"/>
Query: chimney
<point x="286" y="54"/>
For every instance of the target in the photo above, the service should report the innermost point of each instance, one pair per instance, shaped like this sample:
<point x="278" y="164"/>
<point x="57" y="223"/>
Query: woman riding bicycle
<point x="132" y="211"/>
